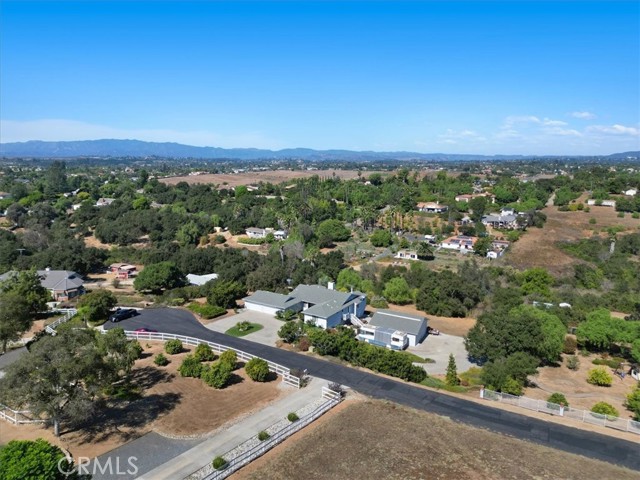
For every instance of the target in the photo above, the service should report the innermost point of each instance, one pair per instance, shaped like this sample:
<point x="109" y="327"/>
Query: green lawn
<point x="415" y="358"/>
<point x="236" y="332"/>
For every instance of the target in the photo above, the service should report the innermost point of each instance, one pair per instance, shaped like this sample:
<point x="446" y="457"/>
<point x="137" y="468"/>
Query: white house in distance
<point x="407" y="255"/>
<point x="468" y="197"/>
<point x="498" y="247"/>
<point x="432" y="207"/>
<point x="104" y="202"/>
<point x="253" y="232"/>
<point x="632" y="192"/>
<point x="413" y="326"/>
<point x="460" y="243"/>
<point x="324" y="307"/>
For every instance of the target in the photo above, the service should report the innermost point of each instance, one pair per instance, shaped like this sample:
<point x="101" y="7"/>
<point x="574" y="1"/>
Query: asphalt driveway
<point x="267" y="336"/>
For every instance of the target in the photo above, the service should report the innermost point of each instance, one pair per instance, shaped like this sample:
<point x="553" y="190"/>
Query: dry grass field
<point x="375" y="439"/>
<point x="170" y="405"/>
<point x="226" y="180"/>
<point x="537" y="247"/>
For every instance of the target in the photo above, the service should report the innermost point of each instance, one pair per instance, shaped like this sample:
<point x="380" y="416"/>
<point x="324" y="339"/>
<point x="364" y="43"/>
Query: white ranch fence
<point x="68" y="314"/>
<point x="19" y="417"/>
<point x="585" y="416"/>
<point x="209" y="473"/>
<point x="285" y="372"/>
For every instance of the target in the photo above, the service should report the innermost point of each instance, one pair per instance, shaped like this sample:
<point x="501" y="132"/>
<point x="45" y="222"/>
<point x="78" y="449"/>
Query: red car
<point x="146" y="330"/>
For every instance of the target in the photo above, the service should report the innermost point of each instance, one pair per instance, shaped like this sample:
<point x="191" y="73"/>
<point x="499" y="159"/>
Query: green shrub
<point x="599" y="376"/>
<point x="257" y="369"/>
<point x="471" y="377"/>
<point x="592" y="221"/>
<point x="292" y="417"/>
<point x="190" y="367"/>
<point x="173" y="347"/>
<point x="573" y="362"/>
<point x="558" y="398"/>
<point x="161" y="360"/>
<point x="290" y="332"/>
<point x="620" y="214"/>
<point x="219" y="463"/>
<point x="609" y="362"/>
<point x="379" y="302"/>
<point x="604" y="408"/>
<point x="230" y="357"/>
<point x="252" y="241"/>
<point x="204" y="353"/>
<point x="512" y="387"/>
<point x="570" y="345"/>
<point x="635" y="215"/>
<point x="216" y="375"/>
<point x="206" y="311"/>
<point x="262" y="436"/>
<point x="632" y="402"/>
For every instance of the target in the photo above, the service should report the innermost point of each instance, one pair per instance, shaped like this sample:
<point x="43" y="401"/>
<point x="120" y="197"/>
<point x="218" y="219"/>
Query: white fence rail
<point x="18" y="417"/>
<point x="209" y="473"/>
<point x="68" y="314"/>
<point x="285" y="372"/>
<point x="585" y="416"/>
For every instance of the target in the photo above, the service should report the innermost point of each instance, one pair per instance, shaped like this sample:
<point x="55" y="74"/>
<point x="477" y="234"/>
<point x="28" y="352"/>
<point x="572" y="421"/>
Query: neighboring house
<point x="508" y="222"/>
<point x="104" y="202"/>
<point x="632" y="192"/>
<point x="62" y="284"/>
<point x="467" y="198"/>
<point x="461" y="243"/>
<point x="253" y="232"/>
<point x="4" y="195"/>
<point x="279" y="234"/>
<point x="407" y="254"/>
<point x="414" y="326"/>
<point x="200" y="279"/>
<point x="324" y="307"/>
<point x="383" y="337"/>
<point x="603" y="203"/>
<point x="76" y="206"/>
<point x="123" y="271"/>
<point x="431" y="207"/>
<point x="498" y="247"/>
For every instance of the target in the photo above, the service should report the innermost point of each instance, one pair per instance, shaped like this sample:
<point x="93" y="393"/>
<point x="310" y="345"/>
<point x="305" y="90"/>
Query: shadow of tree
<point x="234" y="380"/>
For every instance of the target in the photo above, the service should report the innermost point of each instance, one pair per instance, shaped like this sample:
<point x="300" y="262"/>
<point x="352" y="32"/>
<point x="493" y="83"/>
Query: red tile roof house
<point x="432" y="207"/>
<point x="123" y="270"/>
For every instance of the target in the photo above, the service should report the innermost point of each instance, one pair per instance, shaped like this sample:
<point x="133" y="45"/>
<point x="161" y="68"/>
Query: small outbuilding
<point x="414" y="326"/>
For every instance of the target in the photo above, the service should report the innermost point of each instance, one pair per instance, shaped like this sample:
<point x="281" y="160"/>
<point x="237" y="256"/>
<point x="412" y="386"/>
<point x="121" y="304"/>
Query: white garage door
<point x="260" y="308"/>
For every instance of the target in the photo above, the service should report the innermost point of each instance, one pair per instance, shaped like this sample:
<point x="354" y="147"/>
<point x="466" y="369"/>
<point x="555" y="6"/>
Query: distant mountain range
<point x="137" y="148"/>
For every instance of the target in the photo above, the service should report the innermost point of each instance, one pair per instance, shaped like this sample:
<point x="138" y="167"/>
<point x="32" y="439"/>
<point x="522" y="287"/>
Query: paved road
<point x="589" y="444"/>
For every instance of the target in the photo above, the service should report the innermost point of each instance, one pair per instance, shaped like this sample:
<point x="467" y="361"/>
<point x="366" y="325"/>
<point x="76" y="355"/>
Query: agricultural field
<point x="375" y="439"/>
<point x="228" y="180"/>
<point x="169" y="404"/>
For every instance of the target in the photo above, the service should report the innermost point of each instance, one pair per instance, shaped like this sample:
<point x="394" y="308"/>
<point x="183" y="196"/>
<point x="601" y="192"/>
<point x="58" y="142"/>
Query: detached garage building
<point x="414" y="326"/>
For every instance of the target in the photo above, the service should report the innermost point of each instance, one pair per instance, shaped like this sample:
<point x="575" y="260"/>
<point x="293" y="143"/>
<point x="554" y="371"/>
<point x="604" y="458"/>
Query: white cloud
<point x="564" y="132"/>
<point x="614" y="130"/>
<point x="68" y="130"/>
<point x="583" y="115"/>
<point x="532" y="119"/>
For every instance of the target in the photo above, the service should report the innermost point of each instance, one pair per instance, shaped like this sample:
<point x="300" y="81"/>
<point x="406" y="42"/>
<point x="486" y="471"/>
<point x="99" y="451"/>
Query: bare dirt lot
<point x="375" y="439"/>
<point x="579" y="393"/>
<point x="170" y="405"/>
<point x="537" y="247"/>
<point x="226" y="180"/>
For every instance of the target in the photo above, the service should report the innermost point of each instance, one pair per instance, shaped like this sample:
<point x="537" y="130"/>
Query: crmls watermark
<point x="108" y="466"/>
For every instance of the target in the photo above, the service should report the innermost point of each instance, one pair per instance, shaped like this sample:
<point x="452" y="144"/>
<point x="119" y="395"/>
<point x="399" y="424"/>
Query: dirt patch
<point x="403" y="443"/>
<point x="227" y="180"/>
<point x="537" y="247"/>
<point x="170" y="405"/>
<point x="580" y="394"/>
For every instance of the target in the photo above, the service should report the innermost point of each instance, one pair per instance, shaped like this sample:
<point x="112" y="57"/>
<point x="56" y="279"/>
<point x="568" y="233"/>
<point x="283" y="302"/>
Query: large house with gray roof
<point x="324" y="307"/>
<point x="414" y="326"/>
<point x="62" y="284"/>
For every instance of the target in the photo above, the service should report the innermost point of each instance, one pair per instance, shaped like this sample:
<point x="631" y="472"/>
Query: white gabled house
<point x="407" y="254"/>
<point x="253" y="232"/>
<point x="632" y="192"/>
<point x="432" y="207"/>
<point x="324" y="307"/>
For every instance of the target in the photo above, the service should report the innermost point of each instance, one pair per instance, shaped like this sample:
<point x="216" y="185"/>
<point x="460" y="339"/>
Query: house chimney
<point x="331" y="285"/>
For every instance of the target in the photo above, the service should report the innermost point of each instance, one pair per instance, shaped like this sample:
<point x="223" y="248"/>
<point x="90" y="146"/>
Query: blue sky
<point x="457" y="77"/>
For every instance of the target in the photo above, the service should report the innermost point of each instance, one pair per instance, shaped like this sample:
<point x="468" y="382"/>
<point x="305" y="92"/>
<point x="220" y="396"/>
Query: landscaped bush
<point x="633" y="403"/>
<point x="216" y="375"/>
<point x="230" y="357"/>
<point x="262" y="436"/>
<point x="379" y="302"/>
<point x="512" y="387"/>
<point x="558" y="398"/>
<point x="604" y="408"/>
<point x="573" y="362"/>
<point x="219" y="463"/>
<point x="257" y="369"/>
<point x="570" y="345"/>
<point x="609" y="362"/>
<point x="471" y="377"/>
<point x="204" y="353"/>
<point x="599" y="376"/>
<point x="190" y="367"/>
<point x="290" y="332"/>
<point x="304" y="344"/>
<point x="292" y="417"/>
<point x="161" y="360"/>
<point x="252" y="241"/>
<point x="206" y="311"/>
<point x="173" y="347"/>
